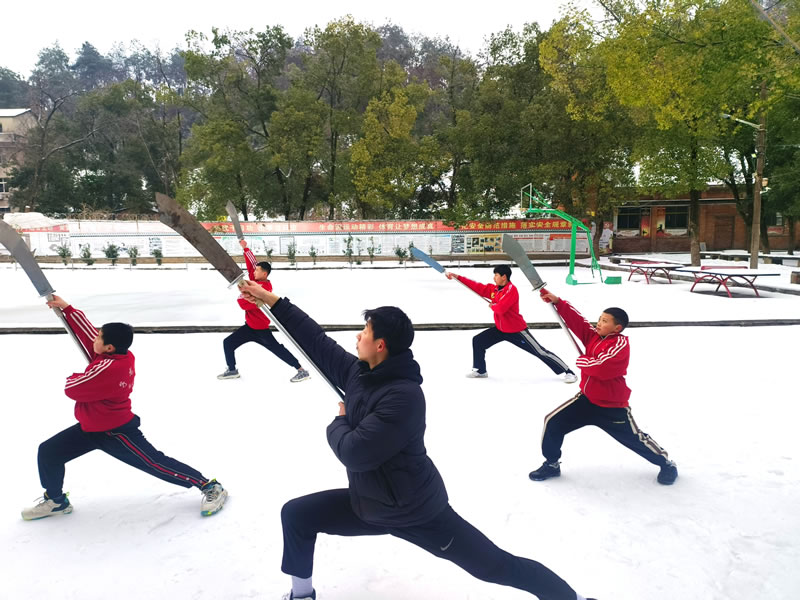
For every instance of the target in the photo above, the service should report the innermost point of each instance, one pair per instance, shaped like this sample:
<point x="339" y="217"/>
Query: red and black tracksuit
<point x="256" y="327"/>
<point x="603" y="399"/>
<point x="105" y="421"/>
<point x="509" y="327"/>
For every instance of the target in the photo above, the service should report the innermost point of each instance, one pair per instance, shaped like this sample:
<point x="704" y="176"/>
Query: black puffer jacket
<point x="381" y="438"/>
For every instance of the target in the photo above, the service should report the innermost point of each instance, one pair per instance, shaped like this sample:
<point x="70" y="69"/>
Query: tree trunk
<point x="694" y="226"/>
<point x="792" y="240"/>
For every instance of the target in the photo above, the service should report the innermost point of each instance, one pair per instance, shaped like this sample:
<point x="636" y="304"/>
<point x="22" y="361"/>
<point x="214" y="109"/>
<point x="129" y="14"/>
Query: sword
<point x="234" y="215"/>
<point x="178" y="218"/>
<point x="22" y="254"/>
<point x="517" y="253"/>
<point x="432" y="263"/>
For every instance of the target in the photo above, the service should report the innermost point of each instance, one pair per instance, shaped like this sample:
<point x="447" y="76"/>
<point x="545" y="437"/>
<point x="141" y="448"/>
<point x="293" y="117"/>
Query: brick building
<point x="661" y="225"/>
<point x="14" y="124"/>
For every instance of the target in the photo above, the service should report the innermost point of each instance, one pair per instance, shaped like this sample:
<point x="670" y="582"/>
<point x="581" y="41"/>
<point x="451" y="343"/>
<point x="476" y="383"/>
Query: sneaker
<point x="47" y="508"/>
<point x="546" y="471"/>
<point x="301" y="375"/>
<point x="475" y="374"/>
<point x="291" y="596"/>
<point x="229" y="374"/>
<point x="570" y="377"/>
<point x="214" y="496"/>
<point x="668" y="474"/>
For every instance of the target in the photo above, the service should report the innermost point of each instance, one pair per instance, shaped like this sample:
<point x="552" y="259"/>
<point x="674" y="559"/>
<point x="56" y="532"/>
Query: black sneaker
<point x="546" y="471"/>
<point x="668" y="474"/>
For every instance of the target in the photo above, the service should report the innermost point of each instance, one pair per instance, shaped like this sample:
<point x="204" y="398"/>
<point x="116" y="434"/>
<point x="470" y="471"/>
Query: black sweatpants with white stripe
<point x="617" y="422"/>
<point x="522" y="339"/>
<point x="262" y="337"/>
<point x="125" y="443"/>
<point x="447" y="536"/>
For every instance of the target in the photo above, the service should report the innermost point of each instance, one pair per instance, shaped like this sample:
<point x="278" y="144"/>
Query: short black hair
<point x="393" y="326"/>
<point x="266" y="266"/>
<point x="119" y="335"/>
<point x="620" y="316"/>
<point x="503" y="270"/>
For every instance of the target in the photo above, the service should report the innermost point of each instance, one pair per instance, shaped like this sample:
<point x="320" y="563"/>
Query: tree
<point x="13" y="90"/>
<point x="342" y="69"/>
<point x="54" y="93"/>
<point x="675" y="67"/>
<point x="232" y="85"/>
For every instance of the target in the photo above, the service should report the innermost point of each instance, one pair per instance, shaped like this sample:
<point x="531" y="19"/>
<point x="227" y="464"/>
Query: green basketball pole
<point x="544" y="207"/>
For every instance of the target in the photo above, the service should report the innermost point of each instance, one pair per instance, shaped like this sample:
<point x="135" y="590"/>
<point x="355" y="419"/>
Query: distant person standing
<point x="509" y="325"/>
<point x="603" y="399"/>
<point x="256" y="327"/>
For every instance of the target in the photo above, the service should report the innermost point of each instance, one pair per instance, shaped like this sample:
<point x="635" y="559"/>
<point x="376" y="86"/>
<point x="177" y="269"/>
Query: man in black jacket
<point x="394" y="487"/>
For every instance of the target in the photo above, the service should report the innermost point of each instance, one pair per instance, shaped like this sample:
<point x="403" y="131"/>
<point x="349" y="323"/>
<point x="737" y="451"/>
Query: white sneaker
<point x="301" y="375"/>
<point x="214" y="496"/>
<point x="46" y="508"/>
<point x="570" y="377"/>
<point x="291" y="596"/>
<point x="474" y="374"/>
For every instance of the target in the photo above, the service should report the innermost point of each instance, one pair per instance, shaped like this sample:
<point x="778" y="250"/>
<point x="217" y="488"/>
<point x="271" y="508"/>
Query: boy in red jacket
<point x="509" y="325"/>
<point x="256" y="327"/>
<point x="603" y="399"/>
<point x="105" y="421"/>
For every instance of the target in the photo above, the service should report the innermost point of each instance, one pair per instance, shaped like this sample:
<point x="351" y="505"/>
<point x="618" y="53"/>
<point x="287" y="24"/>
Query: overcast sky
<point x="164" y="23"/>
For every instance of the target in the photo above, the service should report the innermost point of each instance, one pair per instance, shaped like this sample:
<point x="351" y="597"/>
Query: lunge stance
<point x="105" y="421"/>
<point x="603" y="399"/>
<point x="256" y="327"/>
<point x="378" y="435"/>
<point x="509" y="325"/>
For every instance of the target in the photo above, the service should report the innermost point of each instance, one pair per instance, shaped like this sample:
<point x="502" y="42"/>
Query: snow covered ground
<point x="722" y="401"/>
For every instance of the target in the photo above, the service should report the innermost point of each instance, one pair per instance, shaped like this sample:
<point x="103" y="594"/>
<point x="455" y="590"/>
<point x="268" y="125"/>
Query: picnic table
<point x="722" y="275"/>
<point x="648" y="268"/>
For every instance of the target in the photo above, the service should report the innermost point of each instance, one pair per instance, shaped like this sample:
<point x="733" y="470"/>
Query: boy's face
<point x="100" y="347"/>
<point x="606" y="325"/>
<point x="367" y="347"/>
<point x="260" y="274"/>
<point x="500" y="279"/>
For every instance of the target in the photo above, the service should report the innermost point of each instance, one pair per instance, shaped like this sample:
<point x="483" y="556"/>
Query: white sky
<point x="165" y="23"/>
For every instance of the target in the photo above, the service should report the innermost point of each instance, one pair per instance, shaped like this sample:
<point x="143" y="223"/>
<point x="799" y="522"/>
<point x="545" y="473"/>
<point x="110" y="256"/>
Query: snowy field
<point x="722" y="401"/>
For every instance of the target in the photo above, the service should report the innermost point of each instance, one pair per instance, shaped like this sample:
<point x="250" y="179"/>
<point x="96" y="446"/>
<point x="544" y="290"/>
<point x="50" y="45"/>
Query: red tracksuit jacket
<point x="604" y="364"/>
<point x="505" y="304"/>
<point x="253" y="315"/>
<point x="102" y="392"/>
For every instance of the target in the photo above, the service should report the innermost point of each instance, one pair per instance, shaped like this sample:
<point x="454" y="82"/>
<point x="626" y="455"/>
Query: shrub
<point x="159" y="256"/>
<point x="371" y="249"/>
<point x="401" y="253"/>
<point x="133" y="253"/>
<point x="64" y="252"/>
<point x="312" y="252"/>
<point x="86" y="255"/>
<point x="112" y="252"/>
<point x="291" y="251"/>
<point x="348" y="248"/>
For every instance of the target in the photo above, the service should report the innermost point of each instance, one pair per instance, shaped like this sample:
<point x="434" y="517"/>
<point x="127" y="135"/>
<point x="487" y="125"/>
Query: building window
<point x="773" y="219"/>
<point x="676" y="217"/>
<point x="3" y="188"/>
<point x="629" y="217"/>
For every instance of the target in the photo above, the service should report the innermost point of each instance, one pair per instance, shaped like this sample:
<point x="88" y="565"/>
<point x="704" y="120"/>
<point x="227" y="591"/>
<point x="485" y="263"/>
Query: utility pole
<point x="761" y="142"/>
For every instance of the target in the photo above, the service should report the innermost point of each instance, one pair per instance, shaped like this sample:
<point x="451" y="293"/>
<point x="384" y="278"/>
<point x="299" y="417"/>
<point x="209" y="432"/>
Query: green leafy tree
<point x="342" y="69"/>
<point x="13" y="90"/>
<point x="233" y="87"/>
